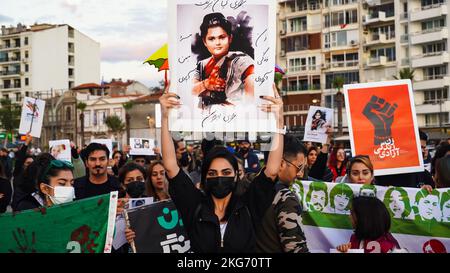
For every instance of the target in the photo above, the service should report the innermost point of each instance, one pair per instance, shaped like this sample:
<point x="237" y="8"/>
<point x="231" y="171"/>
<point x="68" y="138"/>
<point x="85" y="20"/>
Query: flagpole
<point x="127" y="220"/>
<point x="165" y="79"/>
<point x="32" y="117"/>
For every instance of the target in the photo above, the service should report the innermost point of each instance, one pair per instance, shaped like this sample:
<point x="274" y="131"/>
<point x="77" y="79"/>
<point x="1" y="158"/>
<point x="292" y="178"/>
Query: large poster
<point x="142" y="146"/>
<point x="32" y="117"/>
<point x="60" y="149"/>
<point x="420" y="221"/>
<point x="84" y="226"/>
<point x="382" y="124"/>
<point x="222" y="59"/>
<point x="159" y="229"/>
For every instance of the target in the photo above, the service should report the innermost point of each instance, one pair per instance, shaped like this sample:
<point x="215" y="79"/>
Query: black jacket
<point x="26" y="202"/>
<point x="5" y="189"/>
<point x="82" y="186"/>
<point x="244" y="214"/>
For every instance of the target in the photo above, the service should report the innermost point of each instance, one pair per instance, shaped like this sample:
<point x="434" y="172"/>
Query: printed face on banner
<point x="60" y="149"/>
<point x="221" y="60"/>
<point x="445" y="201"/>
<point x="382" y="124"/>
<point x="319" y="119"/>
<point x="32" y="116"/>
<point x="428" y="205"/>
<point x="142" y="146"/>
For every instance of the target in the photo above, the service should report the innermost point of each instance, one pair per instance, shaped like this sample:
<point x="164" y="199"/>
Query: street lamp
<point x="315" y="101"/>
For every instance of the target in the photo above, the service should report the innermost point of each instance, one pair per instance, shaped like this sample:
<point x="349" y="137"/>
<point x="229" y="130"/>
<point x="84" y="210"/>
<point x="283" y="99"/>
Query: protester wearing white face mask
<point x="53" y="180"/>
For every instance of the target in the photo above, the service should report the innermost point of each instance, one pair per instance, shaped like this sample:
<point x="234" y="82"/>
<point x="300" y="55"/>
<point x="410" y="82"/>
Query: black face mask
<point x="184" y="161"/>
<point x="220" y="186"/>
<point x="135" y="189"/>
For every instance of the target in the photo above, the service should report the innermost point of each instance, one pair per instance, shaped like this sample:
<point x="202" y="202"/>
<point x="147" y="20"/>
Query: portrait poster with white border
<point x="32" y="117"/>
<point x="383" y="125"/>
<point x="142" y="146"/>
<point x="60" y="149"/>
<point x="221" y="61"/>
<point x="318" y="121"/>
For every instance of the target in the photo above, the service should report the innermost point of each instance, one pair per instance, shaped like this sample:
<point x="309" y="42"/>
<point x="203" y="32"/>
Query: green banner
<point x="84" y="226"/>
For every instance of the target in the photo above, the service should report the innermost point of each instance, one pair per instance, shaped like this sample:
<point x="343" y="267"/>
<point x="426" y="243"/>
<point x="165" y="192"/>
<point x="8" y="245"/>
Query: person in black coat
<point x="216" y="219"/>
<point x="5" y="190"/>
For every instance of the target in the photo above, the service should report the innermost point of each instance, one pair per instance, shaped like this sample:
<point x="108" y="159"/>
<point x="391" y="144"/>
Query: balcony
<point x="432" y="82"/>
<point x="379" y="17"/>
<point x="10" y="86"/>
<point x="302" y="88"/>
<point x="377" y="61"/>
<point x="13" y="46"/>
<point x="289" y="108"/>
<point x="305" y="8"/>
<point x="429" y="35"/>
<point x="9" y="73"/>
<point x="429" y="59"/>
<point x="376" y="38"/>
<point x="344" y="64"/>
<point x="404" y="16"/>
<point x="434" y="107"/>
<point x="429" y="11"/>
<point x="302" y="69"/>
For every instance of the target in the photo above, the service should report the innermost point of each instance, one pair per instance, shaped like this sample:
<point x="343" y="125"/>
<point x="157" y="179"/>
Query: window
<point x="432" y="25"/>
<point x="297" y="43"/>
<point x="298" y="24"/>
<point x="26" y="68"/>
<point x="25" y="42"/>
<point x="26" y="54"/>
<point x="18" y="97"/>
<point x="87" y="118"/>
<point x="435" y="96"/>
<point x="388" y="52"/>
<point x="436" y="119"/>
<point x="27" y="82"/>
<point x="434" y="72"/>
<point x="349" y="77"/>
<point x="68" y="113"/>
<point x="327" y="20"/>
<point x="326" y="43"/>
<point x="435" y="48"/>
<point x="312" y="63"/>
<point x="71" y="84"/>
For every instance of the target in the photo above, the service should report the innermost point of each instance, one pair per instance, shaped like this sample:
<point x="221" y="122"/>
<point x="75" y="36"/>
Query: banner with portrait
<point x="222" y="59"/>
<point x="158" y="228"/>
<point x="84" y="226"/>
<point x="382" y="124"/>
<point x="318" y="121"/>
<point x="420" y="221"/>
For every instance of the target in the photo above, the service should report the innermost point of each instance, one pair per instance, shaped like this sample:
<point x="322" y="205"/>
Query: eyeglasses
<point x="56" y="164"/>
<point x="299" y="168"/>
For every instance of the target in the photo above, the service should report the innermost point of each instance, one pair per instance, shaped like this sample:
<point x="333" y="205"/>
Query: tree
<point x="82" y="106"/>
<point x="9" y="117"/>
<point x="115" y="125"/>
<point x="406" y="73"/>
<point x="127" y="106"/>
<point x="338" y="83"/>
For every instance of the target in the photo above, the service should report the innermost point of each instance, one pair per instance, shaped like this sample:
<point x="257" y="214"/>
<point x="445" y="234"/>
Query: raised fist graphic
<point x="381" y="115"/>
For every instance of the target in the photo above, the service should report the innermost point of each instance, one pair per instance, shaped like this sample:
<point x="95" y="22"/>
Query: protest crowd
<point x="227" y="199"/>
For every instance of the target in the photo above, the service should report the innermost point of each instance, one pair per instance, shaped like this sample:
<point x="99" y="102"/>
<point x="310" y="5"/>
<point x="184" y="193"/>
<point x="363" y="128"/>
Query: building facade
<point x="45" y="57"/>
<point x="364" y="41"/>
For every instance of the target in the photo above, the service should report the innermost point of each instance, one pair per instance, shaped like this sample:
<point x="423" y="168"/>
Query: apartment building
<point x="44" y="57"/>
<point x="364" y="41"/>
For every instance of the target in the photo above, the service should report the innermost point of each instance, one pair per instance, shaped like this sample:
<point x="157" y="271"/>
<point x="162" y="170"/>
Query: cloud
<point x="132" y="50"/>
<point x="70" y="7"/>
<point x="6" y="19"/>
<point x="132" y="71"/>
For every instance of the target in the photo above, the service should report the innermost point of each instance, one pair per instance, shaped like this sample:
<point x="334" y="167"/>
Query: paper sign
<point x="220" y="86"/>
<point x="32" y="117"/>
<point x="319" y="119"/>
<point x="60" y="149"/>
<point x="138" y="202"/>
<point x="382" y="124"/>
<point x="107" y="142"/>
<point x="142" y="146"/>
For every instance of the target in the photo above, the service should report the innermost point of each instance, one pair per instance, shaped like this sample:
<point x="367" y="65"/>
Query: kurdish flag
<point x="85" y="226"/>
<point x="160" y="59"/>
<point x="420" y="221"/>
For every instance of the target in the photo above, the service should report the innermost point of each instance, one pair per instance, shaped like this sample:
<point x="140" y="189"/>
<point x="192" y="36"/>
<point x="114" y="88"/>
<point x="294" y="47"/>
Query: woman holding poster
<point x="225" y="76"/>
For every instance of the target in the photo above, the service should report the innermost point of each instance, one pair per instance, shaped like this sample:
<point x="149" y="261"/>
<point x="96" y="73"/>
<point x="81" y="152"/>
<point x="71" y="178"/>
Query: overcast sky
<point x="128" y="30"/>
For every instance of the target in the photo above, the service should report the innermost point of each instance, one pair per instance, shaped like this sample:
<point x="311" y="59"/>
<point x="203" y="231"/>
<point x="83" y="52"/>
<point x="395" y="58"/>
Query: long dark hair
<point x="218" y="152"/>
<point x="372" y="218"/>
<point x="237" y="27"/>
<point x="149" y="188"/>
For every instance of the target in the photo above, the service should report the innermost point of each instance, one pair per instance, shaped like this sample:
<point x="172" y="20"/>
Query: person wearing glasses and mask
<point x="360" y="171"/>
<point x="216" y="219"/>
<point x="54" y="183"/>
<point x="280" y="229"/>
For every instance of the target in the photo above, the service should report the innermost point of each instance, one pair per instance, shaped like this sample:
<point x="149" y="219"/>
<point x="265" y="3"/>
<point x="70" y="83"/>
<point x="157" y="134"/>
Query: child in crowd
<point x="371" y="223"/>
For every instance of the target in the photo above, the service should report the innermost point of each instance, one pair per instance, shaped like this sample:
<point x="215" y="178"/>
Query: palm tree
<point x="115" y="125"/>
<point x="127" y="106"/>
<point x="9" y="117"/>
<point x="338" y="83"/>
<point x="82" y="106"/>
<point x="406" y="73"/>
